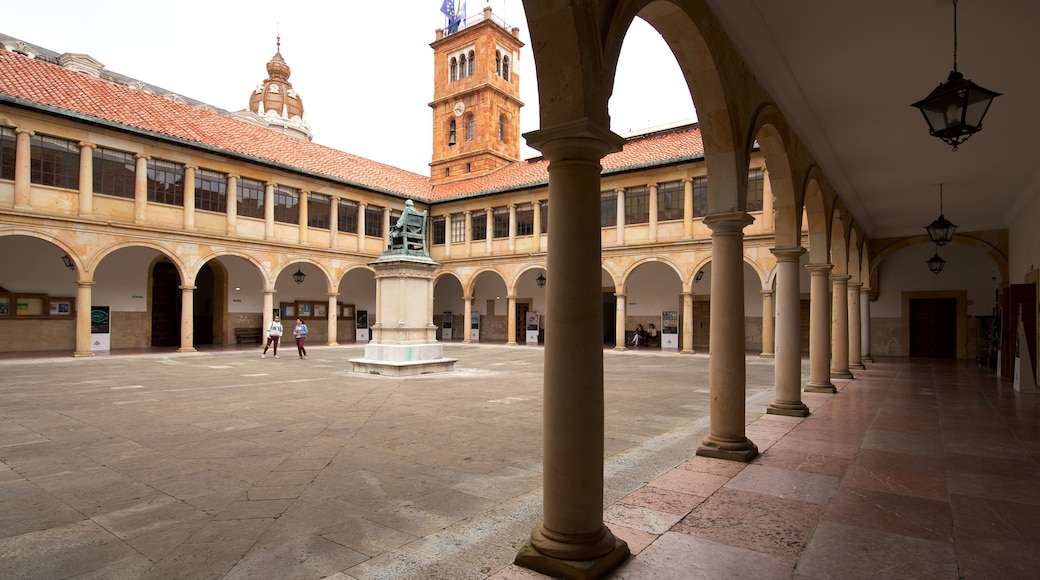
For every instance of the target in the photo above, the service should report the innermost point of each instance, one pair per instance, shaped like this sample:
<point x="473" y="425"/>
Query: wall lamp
<point x="299" y="276"/>
<point x="68" y="262"/>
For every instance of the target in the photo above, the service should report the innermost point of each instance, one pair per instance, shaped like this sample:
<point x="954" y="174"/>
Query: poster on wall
<point x="100" y="329"/>
<point x="670" y="330"/>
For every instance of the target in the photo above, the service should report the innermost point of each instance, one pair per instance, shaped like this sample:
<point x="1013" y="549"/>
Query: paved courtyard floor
<point x="222" y="465"/>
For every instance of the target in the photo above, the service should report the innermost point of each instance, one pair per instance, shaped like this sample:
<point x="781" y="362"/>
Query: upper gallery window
<point x="250" y="201"/>
<point x="755" y="188"/>
<point x="53" y="161"/>
<point x="637" y="205"/>
<point x="8" y="140"/>
<point x="114" y="172"/>
<point x="286" y="204"/>
<point x="210" y="190"/>
<point x="165" y="182"/>
<point x="670" y="201"/>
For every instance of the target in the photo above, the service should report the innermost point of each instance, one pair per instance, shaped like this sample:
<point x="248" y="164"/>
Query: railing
<point x="473" y="21"/>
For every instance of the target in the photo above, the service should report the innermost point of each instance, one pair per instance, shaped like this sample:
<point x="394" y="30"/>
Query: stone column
<point x="489" y="231"/>
<point x="333" y="312"/>
<point x="141" y="188"/>
<point x="819" y="330"/>
<point x="269" y="210"/>
<point x="333" y="221"/>
<point x="572" y="540"/>
<point x="386" y="227"/>
<point x="864" y="307"/>
<point x="362" y="208"/>
<point x="232" y="204"/>
<point x="22" y="173"/>
<point x="268" y="309"/>
<point x="467" y="315"/>
<point x="620" y="318"/>
<point x="512" y="227"/>
<point x="86" y="178"/>
<point x="687" y="325"/>
<point x="653" y="212"/>
<point x="840" y="327"/>
<point x="83" y="307"/>
<point x="536" y="207"/>
<point x="511" y="320"/>
<point x="687" y="215"/>
<point x="303" y="216"/>
<point x="469" y="234"/>
<point x="187" y="319"/>
<point x="855" y="346"/>
<point x="189" y="197"/>
<point x="726" y="371"/>
<point x="788" y="369"/>
<point x="447" y="235"/>
<point x="768" y="328"/>
<point x="620" y="217"/>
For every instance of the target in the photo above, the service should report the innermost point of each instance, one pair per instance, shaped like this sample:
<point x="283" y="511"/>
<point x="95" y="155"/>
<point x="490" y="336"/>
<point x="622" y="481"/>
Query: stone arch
<point x="886" y="248"/>
<point x="817" y="214"/>
<point x="469" y="285"/>
<point x="627" y="274"/>
<point x="839" y="255"/>
<point x="771" y="133"/>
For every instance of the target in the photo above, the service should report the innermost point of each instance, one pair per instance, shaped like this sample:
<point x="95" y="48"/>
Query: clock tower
<point x="476" y="99"/>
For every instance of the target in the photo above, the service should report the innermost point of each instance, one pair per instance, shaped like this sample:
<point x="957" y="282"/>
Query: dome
<point x="276" y="96"/>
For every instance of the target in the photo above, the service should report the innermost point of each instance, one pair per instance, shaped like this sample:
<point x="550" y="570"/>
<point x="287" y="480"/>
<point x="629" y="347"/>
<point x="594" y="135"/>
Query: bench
<point x="248" y="334"/>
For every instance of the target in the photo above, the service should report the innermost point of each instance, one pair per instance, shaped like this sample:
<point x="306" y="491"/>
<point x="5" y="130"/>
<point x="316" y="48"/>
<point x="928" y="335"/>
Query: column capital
<point x="333" y="294"/>
<point x="788" y="254"/>
<point x="765" y="292"/>
<point x="840" y="278"/>
<point x="85" y="283"/>
<point x="855" y="285"/>
<point x="20" y="131"/>
<point x="142" y="156"/>
<point x="87" y="145"/>
<point x="579" y="140"/>
<point x="621" y="295"/>
<point x="728" y="223"/>
<point x="234" y="176"/>
<point x="188" y="287"/>
<point x="819" y="269"/>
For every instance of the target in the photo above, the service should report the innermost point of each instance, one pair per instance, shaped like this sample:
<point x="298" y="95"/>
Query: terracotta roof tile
<point x="80" y="94"/>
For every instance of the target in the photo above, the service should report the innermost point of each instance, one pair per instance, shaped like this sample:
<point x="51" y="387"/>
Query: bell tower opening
<point x="476" y="98"/>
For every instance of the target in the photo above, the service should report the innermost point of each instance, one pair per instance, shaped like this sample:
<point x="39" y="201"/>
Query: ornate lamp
<point x="540" y="280"/>
<point x="68" y="262"/>
<point x="941" y="230"/>
<point x="954" y="110"/>
<point x="936" y="263"/>
<point x="299" y="276"/>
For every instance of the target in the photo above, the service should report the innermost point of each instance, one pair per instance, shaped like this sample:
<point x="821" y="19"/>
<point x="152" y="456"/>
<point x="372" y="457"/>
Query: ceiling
<point x="845" y="74"/>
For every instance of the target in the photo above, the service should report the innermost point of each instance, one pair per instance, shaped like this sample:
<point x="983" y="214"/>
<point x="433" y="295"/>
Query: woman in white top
<point x="274" y="334"/>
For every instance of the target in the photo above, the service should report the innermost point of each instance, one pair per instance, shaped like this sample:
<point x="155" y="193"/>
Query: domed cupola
<point x="275" y="100"/>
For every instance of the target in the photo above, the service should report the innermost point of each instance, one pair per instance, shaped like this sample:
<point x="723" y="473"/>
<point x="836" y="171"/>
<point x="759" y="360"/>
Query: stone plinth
<point x="404" y="338"/>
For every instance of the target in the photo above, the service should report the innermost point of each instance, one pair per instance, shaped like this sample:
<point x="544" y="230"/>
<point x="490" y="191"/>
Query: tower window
<point x="498" y="63"/>
<point x="505" y="67"/>
<point x="502" y="128"/>
<point x="472" y="64"/>
<point x="453" y="74"/>
<point x="451" y="132"/>
<point x="469" y="167"/>
<point x="469" y="127"/>
<point x="463" y="69"/>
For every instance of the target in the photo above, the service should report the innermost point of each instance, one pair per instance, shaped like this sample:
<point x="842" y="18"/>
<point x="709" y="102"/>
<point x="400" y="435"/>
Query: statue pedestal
<point x="404" y="338"/>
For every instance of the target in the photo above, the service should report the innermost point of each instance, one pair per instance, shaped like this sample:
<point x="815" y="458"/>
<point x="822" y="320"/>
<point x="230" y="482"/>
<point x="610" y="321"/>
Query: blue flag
<point x="448" y="9"/>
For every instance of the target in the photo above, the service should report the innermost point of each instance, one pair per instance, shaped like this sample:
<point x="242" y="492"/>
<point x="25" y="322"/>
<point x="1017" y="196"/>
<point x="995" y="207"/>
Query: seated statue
<point x="408" y="235"/>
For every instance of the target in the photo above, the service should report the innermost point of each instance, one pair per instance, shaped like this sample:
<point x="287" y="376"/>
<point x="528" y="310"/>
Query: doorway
<point x="522" y="308"/>
<point x="166" y="304"/>
<point x="933" y="327"/>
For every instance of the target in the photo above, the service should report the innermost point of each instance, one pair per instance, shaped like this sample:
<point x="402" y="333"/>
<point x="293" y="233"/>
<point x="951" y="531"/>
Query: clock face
<point x="460" y="107"/>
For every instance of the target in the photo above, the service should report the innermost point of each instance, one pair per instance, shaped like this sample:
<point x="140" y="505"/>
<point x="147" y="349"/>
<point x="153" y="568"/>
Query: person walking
<point x="274" y="334"/>
<point x="300" y="332"/>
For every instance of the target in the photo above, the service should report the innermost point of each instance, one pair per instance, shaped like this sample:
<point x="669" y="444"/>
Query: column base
<point x="868" y="359"/>
<point x="857" y="366"/>
<point x="820" y="388"/>
<point x="788" y="409"/>
<point x="743" y="451"/>
<point x="688" y="351"/>
<point x="620" y="348"/>
<point x="767" y="355"/>
<point x="511" y="343"/>
<point x="188" y="349"/>
<point x="467" y="341"/>
<point x="81" y="354"/>
<point x="608" y="553"/>
<point x="842" y="374"/>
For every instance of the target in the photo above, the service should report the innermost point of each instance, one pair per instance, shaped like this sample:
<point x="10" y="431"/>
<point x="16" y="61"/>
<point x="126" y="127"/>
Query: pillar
<point x="22" y="173"/>
<point x="537" y="208"/>
<point x="448" y="231"/>
<point x="840" y="327"/>
<point x="572" y="540"/>
<point x="620" y="319"/>
<point x="620" y="216"/>
<point x="386" y="229"/>
<point x="333" y="312"/>
<point x="653" y="211"/>
<point x="855" y="338"/>
<point x="489" y="231"/>
<point x="303" y="219"/>
<point x="687" y="325"/>
<point x="788" y="368"/>
<point x="768" y="327"/>
<point x="83" y="306"/>
<point x="269" y="210"/>
<point x="864" y="307"/>
<point x="467" y="314"/>
<point x="187" y="319"/>
<point x="333" y="222"/>
<point x="512" y="228"/>
<point x="232" y="204"/>
<point x="819" y="330"/>
<point x="141" y="188"/>
<point x="687" y="215"/>
<point x="726" y="371"/>
<point x="268" y="310"/>
<point x="86" y="178"/>
<point x="362" y="209"/>
<point x="469" y="235"/>
<point x="189" y="197"/>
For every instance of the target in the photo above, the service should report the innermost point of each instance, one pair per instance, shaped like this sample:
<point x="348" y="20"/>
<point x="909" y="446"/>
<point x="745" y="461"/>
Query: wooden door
<point x="166" y="305"/>
<point x="933" y="327"/>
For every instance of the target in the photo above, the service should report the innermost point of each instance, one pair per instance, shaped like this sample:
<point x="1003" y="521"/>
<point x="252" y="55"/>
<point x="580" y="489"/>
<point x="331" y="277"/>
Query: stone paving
<point x="222" y="465"/>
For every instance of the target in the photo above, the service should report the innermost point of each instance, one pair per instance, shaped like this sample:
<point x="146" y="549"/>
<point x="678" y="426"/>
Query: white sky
<point x="365" y="77"/>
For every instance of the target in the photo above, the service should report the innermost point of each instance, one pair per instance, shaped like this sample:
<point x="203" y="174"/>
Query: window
<point x="210" y="190"/>
<point x="755" y="187"/>
<point x="502" y="128"/>
<point x="458" y="228"/>
<point x="637" y="205"/>
<point x="463" y="69"/>
<point x="607" y="209"/>
<point x="286" y="204"/>
<point x="8" y="144"/>
<point x="670" y="201"/>
<point x="505" y="67"/>
<point x="438" y="231"/>
<point x="319" y="211"/>
<point x="498" y="62"/>
<point x="348" y="216"/>
<point x="250" y="201"/>
<point x="545" y="216"/>
<point x="453" y="75"/>
<point x="700" y="197"/>
<point x="451" y="132"/>
<point x="469" y="127"/>
<point x="374" y="221"/>
<point x="114" y="172"/>
<point x="524" y="219"/>
<point x="500" y="222"/>
<point x="472" y="64"/>
<point x="53" y="161"/>
<point x="165" y="182"/>
<point x="479" y="225"/>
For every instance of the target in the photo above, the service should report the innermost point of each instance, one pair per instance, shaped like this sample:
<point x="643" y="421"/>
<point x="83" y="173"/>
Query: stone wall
<point x="29" y="335"/>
